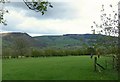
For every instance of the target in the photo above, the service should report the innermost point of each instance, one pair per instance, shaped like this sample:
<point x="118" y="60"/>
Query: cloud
<point x="61" y="10"/>
<point x="17" y="21"/>
<point x="70" y="17"/>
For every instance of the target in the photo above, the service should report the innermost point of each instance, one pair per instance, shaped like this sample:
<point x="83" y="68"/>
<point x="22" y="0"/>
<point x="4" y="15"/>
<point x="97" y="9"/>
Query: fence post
<point x="106" y="64"/>
<point x="95" y="64"/>
<point x="113" y="62"/>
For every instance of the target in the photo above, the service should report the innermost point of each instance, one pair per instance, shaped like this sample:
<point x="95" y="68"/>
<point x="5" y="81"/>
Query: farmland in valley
<point x="56" y="68"/>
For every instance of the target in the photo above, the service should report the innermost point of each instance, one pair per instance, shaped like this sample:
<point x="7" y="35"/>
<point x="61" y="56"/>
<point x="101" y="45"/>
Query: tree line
<point x="33" y="52"/>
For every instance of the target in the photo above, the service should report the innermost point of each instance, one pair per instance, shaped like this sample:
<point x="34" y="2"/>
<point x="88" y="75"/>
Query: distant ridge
<point x="54" y="41"/>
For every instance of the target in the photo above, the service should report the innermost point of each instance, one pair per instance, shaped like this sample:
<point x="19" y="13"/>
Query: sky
<point x="66" y="17"/>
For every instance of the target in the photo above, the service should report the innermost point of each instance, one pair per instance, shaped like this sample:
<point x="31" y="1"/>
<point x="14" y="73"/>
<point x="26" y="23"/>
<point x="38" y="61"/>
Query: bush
<point x="37" y="53"/>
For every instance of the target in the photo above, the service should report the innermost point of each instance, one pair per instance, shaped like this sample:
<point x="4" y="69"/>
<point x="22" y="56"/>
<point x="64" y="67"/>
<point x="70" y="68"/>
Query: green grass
<point x="0" y="69"/>
<point x="54" y="68"/>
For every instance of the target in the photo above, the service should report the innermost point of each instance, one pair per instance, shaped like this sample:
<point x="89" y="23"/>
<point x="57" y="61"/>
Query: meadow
<point x="56" y="68"/>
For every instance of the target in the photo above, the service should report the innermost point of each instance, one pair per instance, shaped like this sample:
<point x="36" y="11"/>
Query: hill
<point x="75" y="40"/>
<point x="63" y="41"/>
<point x="9" y="39"/>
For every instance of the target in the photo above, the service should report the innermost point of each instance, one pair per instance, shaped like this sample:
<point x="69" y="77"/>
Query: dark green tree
<point x="38" y="5"/>
<point x="110" y="26"/>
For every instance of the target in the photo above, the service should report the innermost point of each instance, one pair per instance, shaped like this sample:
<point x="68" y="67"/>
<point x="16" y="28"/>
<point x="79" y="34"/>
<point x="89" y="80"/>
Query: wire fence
<point x="105" y="63"/>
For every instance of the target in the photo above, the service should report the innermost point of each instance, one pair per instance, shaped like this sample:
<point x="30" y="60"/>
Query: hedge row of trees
<point x="11" y="53"/>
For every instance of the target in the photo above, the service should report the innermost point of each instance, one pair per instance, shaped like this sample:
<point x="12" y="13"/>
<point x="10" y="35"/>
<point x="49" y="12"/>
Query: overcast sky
<point x="66" y="17"/>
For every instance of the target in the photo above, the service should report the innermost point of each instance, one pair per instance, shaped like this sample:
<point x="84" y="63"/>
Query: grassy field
<point x="55" y="68"/>
<point x="0" y="69"/>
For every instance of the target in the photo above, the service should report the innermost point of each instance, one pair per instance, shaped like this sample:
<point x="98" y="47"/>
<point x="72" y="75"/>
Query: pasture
<point x="56" y="68"/>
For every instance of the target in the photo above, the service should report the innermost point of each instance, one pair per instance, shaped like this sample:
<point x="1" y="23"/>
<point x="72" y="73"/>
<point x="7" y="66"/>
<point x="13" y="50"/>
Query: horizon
<point x="44" y="34"/>
<point x="52" y="34"/>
